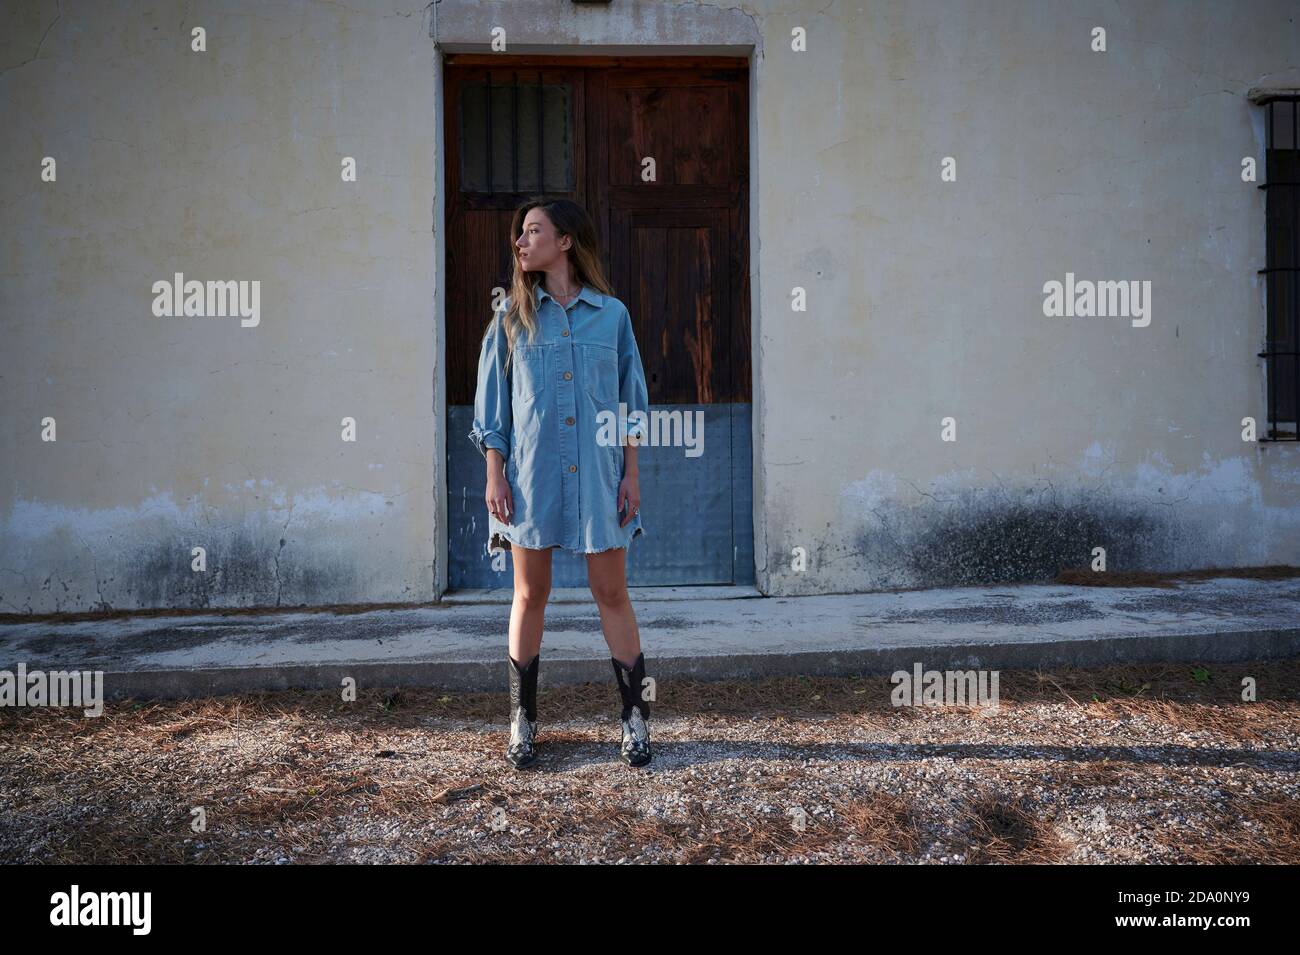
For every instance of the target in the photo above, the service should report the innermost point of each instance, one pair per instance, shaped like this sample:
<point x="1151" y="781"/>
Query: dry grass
<point x="1258" y="830"/>
<point x="1178" y="762"/>
<point x="1006" y="830"/>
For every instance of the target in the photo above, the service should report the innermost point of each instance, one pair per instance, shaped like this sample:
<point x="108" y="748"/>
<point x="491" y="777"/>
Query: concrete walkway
<point x="461" y="644"/>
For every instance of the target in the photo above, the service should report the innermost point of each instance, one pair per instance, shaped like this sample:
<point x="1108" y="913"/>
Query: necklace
<point x="566" y="297"/>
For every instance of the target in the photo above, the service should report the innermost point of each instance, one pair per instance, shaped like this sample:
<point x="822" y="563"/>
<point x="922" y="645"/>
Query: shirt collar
<point x="587" y="294"/>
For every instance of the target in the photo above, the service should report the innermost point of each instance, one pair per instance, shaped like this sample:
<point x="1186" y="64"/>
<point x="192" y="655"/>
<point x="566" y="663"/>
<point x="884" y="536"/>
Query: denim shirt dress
<point x="540" y="413"/>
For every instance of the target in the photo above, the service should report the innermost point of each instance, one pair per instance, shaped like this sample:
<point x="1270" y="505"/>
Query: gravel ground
<point x="1123" y="765"/>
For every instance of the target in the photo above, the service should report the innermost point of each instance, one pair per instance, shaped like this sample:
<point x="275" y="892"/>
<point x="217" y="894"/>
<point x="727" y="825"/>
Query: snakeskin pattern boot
<point x="521" y="752"/>
<point x="635" y="750"/>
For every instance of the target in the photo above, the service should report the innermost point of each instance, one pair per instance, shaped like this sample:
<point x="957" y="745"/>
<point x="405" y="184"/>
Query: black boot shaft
<point x="523" y="686"/>
<point x="630" y="680"/>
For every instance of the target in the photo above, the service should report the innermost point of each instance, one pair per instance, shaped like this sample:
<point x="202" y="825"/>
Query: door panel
<point x="677" y="294"/>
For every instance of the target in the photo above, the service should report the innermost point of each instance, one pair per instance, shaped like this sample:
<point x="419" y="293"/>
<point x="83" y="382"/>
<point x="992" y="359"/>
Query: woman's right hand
<point x="500" y="502"/>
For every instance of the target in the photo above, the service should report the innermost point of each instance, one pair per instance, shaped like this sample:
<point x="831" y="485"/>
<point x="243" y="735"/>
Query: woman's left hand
<point x="629" y="497"/>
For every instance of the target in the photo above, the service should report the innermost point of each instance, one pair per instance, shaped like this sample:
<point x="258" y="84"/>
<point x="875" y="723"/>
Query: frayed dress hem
<point x="499" y="541"/>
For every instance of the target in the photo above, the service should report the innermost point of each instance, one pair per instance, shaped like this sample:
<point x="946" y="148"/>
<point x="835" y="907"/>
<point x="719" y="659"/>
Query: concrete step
<point x="460" y="644"/>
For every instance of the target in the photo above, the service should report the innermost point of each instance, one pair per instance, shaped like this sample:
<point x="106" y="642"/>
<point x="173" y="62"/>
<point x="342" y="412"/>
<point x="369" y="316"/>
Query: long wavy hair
<point x="569" y="219"/>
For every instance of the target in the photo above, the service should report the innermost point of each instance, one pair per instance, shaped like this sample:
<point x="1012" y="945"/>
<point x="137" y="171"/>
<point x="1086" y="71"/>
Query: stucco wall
<point x="924" y="297"/>
<point x="197" y="431"/>
<point x="927" y="296"/>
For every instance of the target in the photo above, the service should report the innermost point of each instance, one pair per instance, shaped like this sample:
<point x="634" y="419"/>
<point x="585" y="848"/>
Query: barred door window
<point x="516" y="135"/>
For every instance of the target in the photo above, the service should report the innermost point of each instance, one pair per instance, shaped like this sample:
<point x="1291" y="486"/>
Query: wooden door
<point x="657" y="151"/>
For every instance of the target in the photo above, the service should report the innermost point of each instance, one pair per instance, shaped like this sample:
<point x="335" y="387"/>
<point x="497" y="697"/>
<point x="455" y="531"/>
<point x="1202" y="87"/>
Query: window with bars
<point x="516" y="135"/>
<point x="1282" y="267"/>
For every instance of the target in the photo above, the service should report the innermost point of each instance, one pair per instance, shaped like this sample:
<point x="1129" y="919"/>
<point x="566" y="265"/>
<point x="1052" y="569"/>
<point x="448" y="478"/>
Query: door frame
<point x="443" y="56"/>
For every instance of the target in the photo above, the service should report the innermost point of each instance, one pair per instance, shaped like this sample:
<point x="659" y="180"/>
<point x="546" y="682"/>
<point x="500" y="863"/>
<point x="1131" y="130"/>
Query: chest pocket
<point x="529" y="370"/>
<point x="600" y="372"/>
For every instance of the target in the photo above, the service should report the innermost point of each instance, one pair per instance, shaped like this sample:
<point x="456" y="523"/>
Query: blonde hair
<point x="569" y="219"/>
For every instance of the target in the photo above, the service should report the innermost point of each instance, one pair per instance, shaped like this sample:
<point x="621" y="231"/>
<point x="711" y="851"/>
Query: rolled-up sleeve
<point x="632" y="391"/>
<point x="492" y="422"/>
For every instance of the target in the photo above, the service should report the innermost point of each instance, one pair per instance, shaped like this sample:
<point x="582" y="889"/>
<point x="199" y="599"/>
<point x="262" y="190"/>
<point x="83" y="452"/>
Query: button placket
<point x="566" y="406"/>
<point x="570" y="420"/>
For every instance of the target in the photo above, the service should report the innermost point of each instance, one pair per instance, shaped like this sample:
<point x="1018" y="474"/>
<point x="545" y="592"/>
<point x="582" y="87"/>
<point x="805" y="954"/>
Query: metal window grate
<point x="1282" y="269"/>
<point x="516" y="136"/>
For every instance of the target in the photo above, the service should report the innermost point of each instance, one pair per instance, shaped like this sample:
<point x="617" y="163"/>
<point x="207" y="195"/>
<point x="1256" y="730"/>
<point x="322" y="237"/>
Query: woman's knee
<point x="533" y="595"/>
<point x="608" y="594"/>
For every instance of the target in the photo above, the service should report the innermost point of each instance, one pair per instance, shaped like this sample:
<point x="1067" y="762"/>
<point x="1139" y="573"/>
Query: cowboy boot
<point x="521" y="752"/>
<point x="635" y="750"/>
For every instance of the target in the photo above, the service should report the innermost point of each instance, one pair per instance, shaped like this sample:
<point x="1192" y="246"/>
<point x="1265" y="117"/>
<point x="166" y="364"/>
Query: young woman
<point x="558" y="375"/>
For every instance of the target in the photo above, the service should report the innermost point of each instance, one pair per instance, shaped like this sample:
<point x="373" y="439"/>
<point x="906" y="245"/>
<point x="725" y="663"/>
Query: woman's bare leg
<point x="607" y="577"/>
<point x="528" y="611"/>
